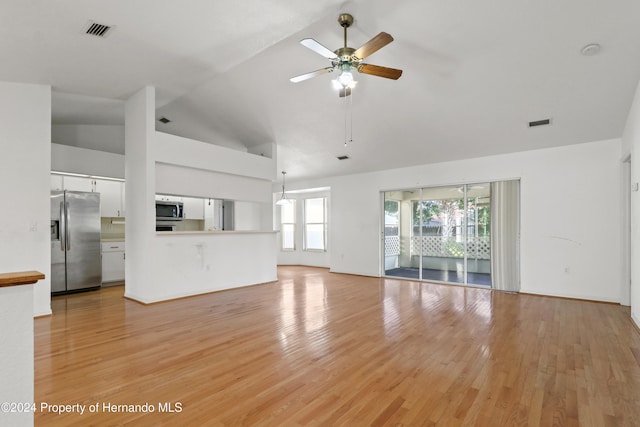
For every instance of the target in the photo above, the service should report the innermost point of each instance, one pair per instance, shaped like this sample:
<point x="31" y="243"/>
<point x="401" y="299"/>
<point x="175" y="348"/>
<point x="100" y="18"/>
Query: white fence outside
<point x="391" y="245"/>
<point x="477" y="247"/>
<point x="438" y="246"/>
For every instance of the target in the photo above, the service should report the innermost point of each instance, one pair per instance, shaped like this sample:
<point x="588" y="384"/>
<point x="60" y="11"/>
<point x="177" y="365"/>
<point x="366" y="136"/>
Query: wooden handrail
<point x="20" y="278"/>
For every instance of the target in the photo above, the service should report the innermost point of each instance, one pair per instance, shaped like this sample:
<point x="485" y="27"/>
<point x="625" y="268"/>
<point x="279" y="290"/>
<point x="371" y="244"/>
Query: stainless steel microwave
<point x="169" y="211"/>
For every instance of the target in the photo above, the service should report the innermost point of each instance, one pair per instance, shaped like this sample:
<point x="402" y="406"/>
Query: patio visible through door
<point x="439" y="234"/>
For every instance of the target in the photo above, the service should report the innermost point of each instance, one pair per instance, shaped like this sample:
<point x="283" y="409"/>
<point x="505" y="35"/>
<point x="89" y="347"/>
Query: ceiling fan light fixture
<point x="345" y="80"/>
<point x="345" y="59"/>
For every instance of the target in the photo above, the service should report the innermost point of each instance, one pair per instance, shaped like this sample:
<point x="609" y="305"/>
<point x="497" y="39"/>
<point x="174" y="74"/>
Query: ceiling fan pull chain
<point x="346" y="107"/>
<point x="351" y="116"/>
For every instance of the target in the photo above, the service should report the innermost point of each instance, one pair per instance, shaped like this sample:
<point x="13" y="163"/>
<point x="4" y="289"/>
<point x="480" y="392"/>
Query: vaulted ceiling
<point x="475" y="73"/>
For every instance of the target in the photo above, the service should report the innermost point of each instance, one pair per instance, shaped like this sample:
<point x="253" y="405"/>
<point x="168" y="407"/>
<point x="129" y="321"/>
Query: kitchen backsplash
<point x="109" y="230"/>
<point x="113" y="228"/>
<point x="189" y="225"/>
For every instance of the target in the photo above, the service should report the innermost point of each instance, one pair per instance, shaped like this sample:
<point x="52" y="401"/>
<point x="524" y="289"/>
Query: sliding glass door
<point x="439" y="234"/>
<point x="440" y="238"/>
<point x="478" y="235"/>
<point x="398" y="223"/>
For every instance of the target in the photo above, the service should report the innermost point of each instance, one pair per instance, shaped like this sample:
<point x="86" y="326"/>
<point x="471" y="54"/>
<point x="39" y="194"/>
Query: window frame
<point x="292" y="205"/>
<point x="323" y="223"/>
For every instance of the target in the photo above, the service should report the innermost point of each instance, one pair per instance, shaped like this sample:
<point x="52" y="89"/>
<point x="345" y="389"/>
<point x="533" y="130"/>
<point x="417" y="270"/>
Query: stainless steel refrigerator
<point x="76" y="262"/>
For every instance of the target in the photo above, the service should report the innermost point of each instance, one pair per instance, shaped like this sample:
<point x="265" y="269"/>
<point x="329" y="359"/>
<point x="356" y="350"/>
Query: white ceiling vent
<point x="95" y="29"/>
<point x="542" y="122"/>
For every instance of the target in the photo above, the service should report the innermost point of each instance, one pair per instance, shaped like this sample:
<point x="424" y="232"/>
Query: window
<point x="315" y="224"/>
<point x="288" y="226"/>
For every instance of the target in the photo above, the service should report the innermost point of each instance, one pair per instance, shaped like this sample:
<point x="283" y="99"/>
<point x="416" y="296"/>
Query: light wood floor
<point x="326" y="349"/>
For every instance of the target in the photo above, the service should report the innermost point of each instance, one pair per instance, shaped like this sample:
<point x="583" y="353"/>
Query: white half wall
<point x="16" y="352"/>
<point x="25" y="164"/>
<point x="631" y="144"/>
<point x="187" y="152"/>
<point x="192" y="264"/>
<point x="186" y="181"/>
<point x="570" y="238"/>
<point x="108" y="138"/>
<point x="65" y="158"/>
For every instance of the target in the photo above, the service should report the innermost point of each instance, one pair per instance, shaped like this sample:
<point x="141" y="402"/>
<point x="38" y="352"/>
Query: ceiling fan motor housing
<point x="345" y="60"/>
<point x="345" y="20"/>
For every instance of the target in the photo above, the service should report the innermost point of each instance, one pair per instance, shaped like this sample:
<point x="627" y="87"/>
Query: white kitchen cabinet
<point x="113" y="258"/>
<point x="56" y="183"/>
<point x="124" y="206"/>
<point x="111" y="198"/>
<point x="193" y="208"/>
<point x="111" y="192"/>
<point x="165" y="198"/>
<point x="76" y="183"/>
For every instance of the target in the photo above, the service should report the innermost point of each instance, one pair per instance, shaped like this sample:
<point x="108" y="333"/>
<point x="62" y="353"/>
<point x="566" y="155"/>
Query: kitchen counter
<point x="20" y="278"/>
<point x="215" y="232"/>
<point x="113" y="239"/>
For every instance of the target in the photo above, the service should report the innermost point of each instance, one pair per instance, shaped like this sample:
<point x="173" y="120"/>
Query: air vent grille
<point x="342" y="157"/>
<point x="543" y="122"/>
<point x="99" y="30"/>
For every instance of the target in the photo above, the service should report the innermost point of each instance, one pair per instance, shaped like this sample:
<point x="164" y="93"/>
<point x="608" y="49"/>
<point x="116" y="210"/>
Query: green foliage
<point x="391" y="207"/>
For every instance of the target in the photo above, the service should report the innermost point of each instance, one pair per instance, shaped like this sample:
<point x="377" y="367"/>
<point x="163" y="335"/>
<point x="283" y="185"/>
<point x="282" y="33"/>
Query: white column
<point x="25" y="139"/>
<point x="631" y="142"/>
<point x="139" y="193"/>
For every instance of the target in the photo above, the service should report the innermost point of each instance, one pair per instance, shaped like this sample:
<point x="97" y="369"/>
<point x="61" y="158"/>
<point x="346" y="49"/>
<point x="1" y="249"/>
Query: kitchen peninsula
<point x="168" y="265"/>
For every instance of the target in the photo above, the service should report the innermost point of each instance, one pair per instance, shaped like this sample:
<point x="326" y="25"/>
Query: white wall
<point x="299" y="256"/>
<point x="190" y="153"/>
<point x="108" y="138"/>
<point x="65" y="158"/>
<point x="25" y="135"/>
<point x="631" y="144"/>
<point x="570" y="196"/>
<point x="193" y="182"/>
<point x="248" y="216"/>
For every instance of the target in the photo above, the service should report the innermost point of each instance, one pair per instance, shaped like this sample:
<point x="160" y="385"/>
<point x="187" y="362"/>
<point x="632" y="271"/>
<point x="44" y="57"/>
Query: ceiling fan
<point x="346" y="59"/>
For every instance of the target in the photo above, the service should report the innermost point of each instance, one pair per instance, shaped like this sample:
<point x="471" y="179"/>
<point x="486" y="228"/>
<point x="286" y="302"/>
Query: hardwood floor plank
<point x="324" y="349"/>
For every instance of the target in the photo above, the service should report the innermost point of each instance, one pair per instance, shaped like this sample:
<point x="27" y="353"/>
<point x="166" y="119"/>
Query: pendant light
<point x="283" y="199"/>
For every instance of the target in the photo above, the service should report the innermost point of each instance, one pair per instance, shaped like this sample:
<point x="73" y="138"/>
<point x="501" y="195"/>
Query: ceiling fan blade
<point x="318" y="48"/>
<point x="345" y="91"/>
<point x="376" y="70"/>
<point x="373" y="45"/>
<point x="307" y="76"/>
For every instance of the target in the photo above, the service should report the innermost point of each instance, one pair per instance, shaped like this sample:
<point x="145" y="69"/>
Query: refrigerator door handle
<point x="67" y="227"/>
<point x="63" y="227"/>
